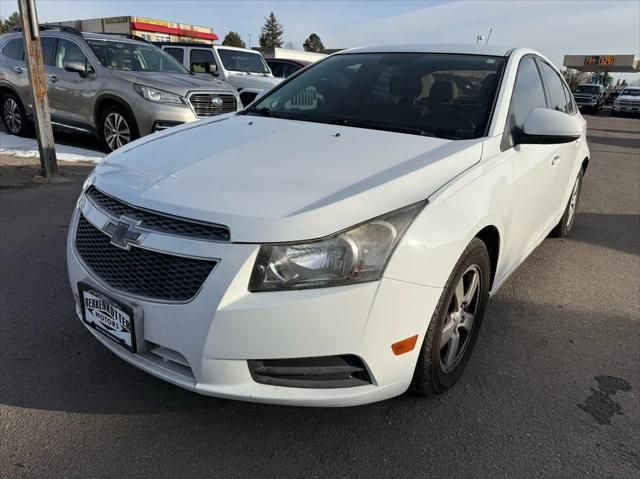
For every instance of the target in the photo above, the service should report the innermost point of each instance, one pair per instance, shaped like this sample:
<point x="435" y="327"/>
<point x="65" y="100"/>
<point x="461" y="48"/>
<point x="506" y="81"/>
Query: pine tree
<point x="313" y="44"/>
<point x="233" y="39"/>
<point x="8" y="23"/>
<point x="271" y="33"/>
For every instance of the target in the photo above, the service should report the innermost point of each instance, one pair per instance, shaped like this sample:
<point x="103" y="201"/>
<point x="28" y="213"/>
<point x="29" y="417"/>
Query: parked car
<point x="117" y="87"/>
<point x="246" y="70"/>
<point x="628" y="102"/>
<point x="589" y="97"/>
<point x="282" y="68"/>
<point x="353" y="263"/>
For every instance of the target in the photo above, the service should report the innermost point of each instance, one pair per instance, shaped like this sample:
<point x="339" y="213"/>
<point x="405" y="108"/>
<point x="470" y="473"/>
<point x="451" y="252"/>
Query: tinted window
<point x="527" y="94"/>
<point x="177" y="53"/>
<point x="557" y="98"/>
<point x="277" y="69"/>
<point x="591" y="89"/>
<point x="14" y="49"/>
<point x="443" y="95"/>
<point x="290" y="68"/>
<point x="68" y="52"/>
<point x="200" y="60"/>
<point x="48" y="49"/>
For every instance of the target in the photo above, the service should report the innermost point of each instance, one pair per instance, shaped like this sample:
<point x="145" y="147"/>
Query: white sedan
<point x="337" y="241"/>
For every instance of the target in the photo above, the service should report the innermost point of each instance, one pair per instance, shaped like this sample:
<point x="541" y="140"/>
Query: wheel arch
<point x="490" y="236"/>
<point x="585" y="164"/>
<point x="105" y="101"/>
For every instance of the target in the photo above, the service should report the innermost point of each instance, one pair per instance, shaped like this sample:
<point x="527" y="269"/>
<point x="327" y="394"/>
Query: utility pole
<point x="249" y="40"/>
<point x="37" y="82"/>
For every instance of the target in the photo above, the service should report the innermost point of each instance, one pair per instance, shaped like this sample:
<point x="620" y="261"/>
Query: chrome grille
<point x="204" y="104"/>
<point x="156" y="221"/>
<point x="139" y="271"/>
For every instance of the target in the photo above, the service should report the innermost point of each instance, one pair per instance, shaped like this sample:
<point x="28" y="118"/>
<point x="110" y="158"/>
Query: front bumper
<point x="224" y="326"/>
<point x="150" y="115"/>
<point x="626" y="108"/>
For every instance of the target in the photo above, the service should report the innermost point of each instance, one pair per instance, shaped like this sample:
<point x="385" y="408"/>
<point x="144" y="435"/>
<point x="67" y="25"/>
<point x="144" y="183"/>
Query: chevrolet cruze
<point x="336" y="242"/>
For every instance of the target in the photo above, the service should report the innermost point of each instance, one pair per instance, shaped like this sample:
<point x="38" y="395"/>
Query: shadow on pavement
<point x="614" y="231"/>
<point x="615" y="141"/>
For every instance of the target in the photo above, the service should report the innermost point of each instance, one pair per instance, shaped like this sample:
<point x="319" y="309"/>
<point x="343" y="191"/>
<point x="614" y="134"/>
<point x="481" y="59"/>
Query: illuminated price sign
<point x="599" y="60"/>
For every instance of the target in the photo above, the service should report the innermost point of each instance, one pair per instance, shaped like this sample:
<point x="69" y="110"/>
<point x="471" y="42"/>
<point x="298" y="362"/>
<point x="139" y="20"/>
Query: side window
<point x="48" y="49"/>
<point x="177" y="53"/>
<point x="67" y="52"/>
<point x="289" y="69"/>
<point x="277" y="69"/>
<point x="200" y="60"/>
<point x="571" y="108"/>
<point x="527" y="94"/>
<point x="14" y="49"/>
<point x="557" y="99"/>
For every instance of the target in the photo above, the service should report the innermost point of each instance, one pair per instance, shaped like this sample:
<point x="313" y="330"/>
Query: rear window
<point x="14" y="49"/>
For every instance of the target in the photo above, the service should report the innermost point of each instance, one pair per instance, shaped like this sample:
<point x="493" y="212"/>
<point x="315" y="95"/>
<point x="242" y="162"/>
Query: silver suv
<point x="117" y="87"/>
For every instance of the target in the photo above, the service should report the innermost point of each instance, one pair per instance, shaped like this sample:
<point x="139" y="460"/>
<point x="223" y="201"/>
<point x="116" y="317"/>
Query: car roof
<point x="111" y="36"/>
<point x="455" y="48"/>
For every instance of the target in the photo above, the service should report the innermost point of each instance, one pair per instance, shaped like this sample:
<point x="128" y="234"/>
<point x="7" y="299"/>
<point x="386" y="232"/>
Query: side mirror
<point x="78" y="67"/>
<point x="543" y="126"/>
<point x="213" y="69"/>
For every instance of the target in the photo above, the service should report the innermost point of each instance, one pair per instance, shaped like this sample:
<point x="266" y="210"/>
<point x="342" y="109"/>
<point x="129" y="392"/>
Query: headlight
<point x="356" y="255"/>
<point x="158" y="96"/>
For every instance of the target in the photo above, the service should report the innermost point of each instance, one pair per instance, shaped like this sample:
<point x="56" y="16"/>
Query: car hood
<point x="273" y="180"/>
<point x="172" y="82"/>
<point x="258" y="82"/>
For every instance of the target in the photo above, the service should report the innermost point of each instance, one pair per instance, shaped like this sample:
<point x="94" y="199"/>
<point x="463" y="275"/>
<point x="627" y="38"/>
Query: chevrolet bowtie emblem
<point x="124" y="233"/>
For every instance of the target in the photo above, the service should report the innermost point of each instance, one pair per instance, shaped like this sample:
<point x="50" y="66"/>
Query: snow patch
<point x="28" y="148"/>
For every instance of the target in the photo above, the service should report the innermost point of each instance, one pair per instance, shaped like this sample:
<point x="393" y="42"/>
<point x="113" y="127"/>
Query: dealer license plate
<point x="108" y="316"/>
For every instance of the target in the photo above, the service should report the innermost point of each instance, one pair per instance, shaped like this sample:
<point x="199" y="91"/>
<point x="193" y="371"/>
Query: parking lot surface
<point x="551" y="390"/>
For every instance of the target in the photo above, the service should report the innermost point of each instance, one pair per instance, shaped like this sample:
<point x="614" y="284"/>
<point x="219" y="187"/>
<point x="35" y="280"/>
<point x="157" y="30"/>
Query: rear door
<point x="15" y="70"/>
<point x="531" y="175"/>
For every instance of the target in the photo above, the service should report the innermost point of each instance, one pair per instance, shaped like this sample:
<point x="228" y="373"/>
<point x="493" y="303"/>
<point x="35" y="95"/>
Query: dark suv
<point x="117" y="87"/>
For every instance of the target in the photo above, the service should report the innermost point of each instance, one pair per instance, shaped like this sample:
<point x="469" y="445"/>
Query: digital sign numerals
<point x="604" y="60"/>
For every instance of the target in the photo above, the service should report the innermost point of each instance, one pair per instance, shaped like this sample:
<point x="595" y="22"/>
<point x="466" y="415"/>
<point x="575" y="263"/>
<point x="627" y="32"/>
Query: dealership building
<point x="148" y="28"/>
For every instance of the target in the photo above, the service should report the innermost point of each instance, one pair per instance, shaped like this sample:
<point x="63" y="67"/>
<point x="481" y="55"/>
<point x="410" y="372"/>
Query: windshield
<point x="630" y="92"/>
<point x="444" y="95"/>
<point x="587" y="89"/>
<point x="127" y="56"/>
<point x="243" y="61"/>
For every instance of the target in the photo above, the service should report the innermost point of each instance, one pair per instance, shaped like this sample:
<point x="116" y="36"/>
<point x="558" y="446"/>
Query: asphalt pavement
<point x="551" y="390"/>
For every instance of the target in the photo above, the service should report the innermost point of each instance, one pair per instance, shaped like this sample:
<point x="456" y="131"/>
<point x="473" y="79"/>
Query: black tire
<point x="106" y="119"/>
<point x="431" y="377"/>
<point x="13" y="113"/>
<point x="563" y="228"/>
<point x="614" y="113"/>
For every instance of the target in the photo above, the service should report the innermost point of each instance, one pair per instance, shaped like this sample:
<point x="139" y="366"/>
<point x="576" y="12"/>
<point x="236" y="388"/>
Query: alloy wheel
<point x="461" y="314"/>
<point x="116" y="130"/>
<point x="573" y="203"/>
<point x="11" y="115"/>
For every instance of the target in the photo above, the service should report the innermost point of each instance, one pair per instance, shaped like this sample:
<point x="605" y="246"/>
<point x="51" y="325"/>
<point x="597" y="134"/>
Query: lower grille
<point x="211" y="104"/>
<point x="320" y="372"/>
<point x="138" y="271"/>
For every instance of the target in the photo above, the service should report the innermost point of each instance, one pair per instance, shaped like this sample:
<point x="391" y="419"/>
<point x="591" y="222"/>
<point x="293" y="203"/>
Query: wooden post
<point x="35" y="68"/>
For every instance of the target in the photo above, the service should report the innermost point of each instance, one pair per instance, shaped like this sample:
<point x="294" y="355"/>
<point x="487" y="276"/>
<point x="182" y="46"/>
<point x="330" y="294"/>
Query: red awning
<point x="148" y="27"/>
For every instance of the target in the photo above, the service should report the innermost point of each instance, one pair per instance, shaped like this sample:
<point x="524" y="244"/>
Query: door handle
<point x="52" y="78"/>
<point x="18" y="69"/>
<point x="555" y="161"/>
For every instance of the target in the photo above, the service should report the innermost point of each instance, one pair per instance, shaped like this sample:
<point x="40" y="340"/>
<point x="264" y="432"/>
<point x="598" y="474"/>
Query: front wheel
<point x="117" y="128"/>
<point x="563" y="228"/>
<point x="456" y="321"/>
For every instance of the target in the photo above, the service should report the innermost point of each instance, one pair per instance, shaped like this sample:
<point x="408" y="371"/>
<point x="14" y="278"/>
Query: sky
<point x="555" y="28"/>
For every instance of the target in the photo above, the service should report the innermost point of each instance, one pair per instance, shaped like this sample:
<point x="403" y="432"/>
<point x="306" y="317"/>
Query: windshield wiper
<point x="264" y="111"/>
<point x="381" y="126"/>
